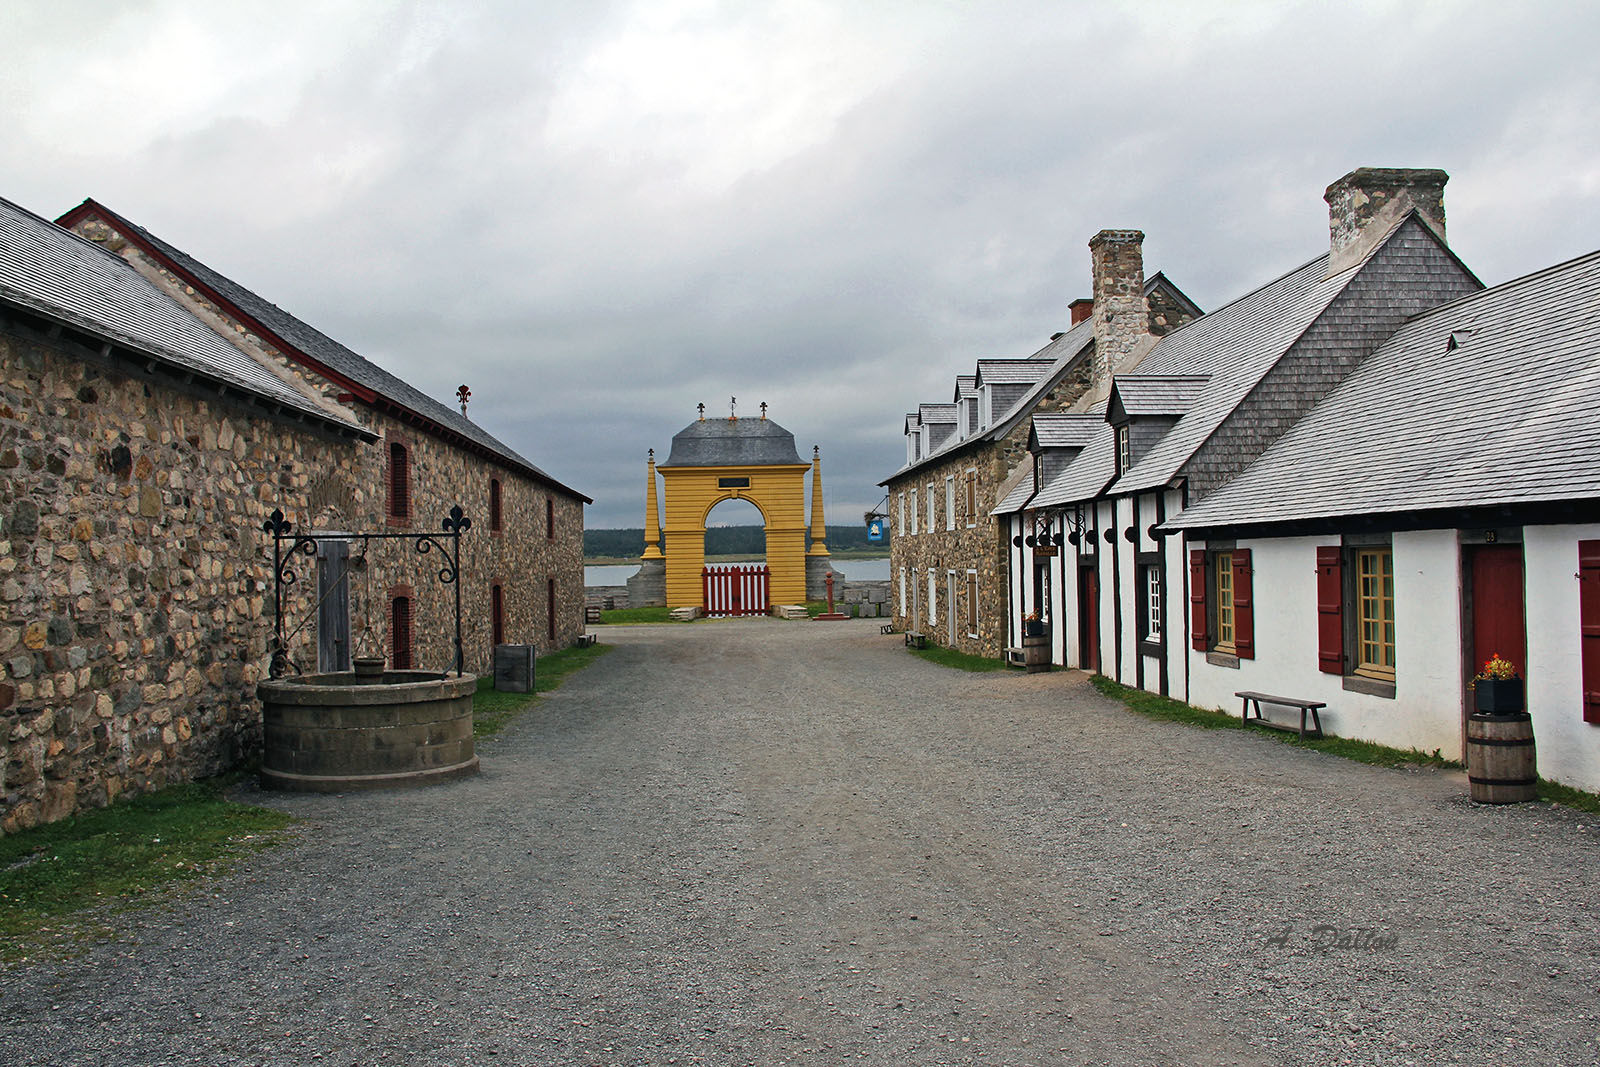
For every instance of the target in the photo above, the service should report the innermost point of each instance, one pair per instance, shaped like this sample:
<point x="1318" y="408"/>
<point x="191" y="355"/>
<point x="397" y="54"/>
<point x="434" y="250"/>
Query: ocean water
<point x="862" y="570"/>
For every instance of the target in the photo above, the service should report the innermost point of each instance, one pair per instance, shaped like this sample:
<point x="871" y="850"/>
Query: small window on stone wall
<point x="497" y="609"/>
<point x="400" y="632"/>
<point x="550" y="606"/>
<point x="494" y="507"/>
<point x="549" y="519"/>
<point x="399" y="495"/>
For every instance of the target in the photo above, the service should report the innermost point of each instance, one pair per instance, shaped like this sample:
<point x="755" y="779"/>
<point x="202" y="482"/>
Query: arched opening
<point x="735" y="532"/>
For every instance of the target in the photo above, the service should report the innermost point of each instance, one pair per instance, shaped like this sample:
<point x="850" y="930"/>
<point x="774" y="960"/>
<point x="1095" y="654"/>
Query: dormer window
<point x="1124" y="448"/>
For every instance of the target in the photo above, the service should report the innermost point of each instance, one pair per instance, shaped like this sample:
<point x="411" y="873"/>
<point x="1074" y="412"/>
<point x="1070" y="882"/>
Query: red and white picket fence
<point x="736" y="589"/>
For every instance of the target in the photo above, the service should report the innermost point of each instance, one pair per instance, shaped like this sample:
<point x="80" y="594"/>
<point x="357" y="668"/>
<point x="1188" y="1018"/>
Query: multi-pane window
<point x="930" y="508"/>
<point x="1152" y="603"/>
<point x="950" y="502"/>
<point x="1124" y="448"/>
<point x="1375" y="612"/>
<point x="913" y="511"/>
<point x="933" y="596"/>
<point x="905" y="609"/>
<point x="972" y="498"/>
<point x="900" y="523"/>
<point x="1224" y="578"/>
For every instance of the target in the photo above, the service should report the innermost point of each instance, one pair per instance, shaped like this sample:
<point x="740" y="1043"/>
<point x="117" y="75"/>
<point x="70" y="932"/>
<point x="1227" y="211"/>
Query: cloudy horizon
<point x="599" y="215"/>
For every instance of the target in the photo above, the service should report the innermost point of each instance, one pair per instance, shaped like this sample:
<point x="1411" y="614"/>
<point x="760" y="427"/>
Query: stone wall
<point x="134" y="609"/>
<point x="981" y="547"/>
<point x="136" y="584"/>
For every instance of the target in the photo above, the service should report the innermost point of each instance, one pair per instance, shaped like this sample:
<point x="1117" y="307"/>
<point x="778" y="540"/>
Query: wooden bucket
<point x="1500" y="758"/>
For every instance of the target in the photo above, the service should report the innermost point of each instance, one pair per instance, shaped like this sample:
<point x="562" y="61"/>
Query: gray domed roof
<point x="732" y="443"/>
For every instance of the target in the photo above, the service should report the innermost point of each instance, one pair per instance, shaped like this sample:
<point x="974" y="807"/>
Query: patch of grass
<point x="1568" y="797"/>
<point x="55" y="879"/>
<point x="492" y="710"/>
<point x="1154" y="706"/>
<point x="961" y="661"/>
<point x="624" y="616"/>
<point x="1165" y="708"/>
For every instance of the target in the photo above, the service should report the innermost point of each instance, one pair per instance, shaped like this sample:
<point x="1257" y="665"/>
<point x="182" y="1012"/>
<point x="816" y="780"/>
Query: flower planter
<point x="1499" y="696"/>
<point x="1033" y="628"/>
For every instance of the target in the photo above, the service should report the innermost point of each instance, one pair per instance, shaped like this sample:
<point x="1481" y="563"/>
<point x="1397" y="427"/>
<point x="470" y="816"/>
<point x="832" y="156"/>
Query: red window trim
<point x="1330" y="609"/>
<point x="1589" y="626"/>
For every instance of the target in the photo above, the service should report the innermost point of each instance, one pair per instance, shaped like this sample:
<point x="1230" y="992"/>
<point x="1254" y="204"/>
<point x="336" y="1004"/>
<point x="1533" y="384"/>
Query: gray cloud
<point x="599" y="215"/>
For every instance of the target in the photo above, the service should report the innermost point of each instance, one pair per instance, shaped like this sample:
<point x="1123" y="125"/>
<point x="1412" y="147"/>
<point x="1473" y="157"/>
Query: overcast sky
<point x="598" y="214"/>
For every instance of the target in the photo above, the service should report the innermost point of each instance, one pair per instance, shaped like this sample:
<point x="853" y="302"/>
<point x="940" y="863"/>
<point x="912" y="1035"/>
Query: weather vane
<point x="463" y="394"/>
<point x="733" y="403"/>
<point x="763" y="409"/>
<point x="702" y="408"/>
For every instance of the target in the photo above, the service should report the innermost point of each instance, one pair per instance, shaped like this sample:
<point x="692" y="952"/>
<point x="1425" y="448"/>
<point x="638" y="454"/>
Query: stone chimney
<point x="1367" y="202"/>
<point x="1121" y="318"/>
<point x="1080" y="309"/>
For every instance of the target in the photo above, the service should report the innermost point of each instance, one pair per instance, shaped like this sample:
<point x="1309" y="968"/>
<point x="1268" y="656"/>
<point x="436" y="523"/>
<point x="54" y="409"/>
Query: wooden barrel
<point x="1500" y="758"/>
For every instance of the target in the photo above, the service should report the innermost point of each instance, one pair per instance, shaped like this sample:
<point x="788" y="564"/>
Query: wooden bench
<point x="916" y="640"/>
<point x="586" y="640"/>
<point x="1307" y="707"/>
<point x="591" y="613"/>
<point x="886" y="628"/>
<point x="1016" y="657"/>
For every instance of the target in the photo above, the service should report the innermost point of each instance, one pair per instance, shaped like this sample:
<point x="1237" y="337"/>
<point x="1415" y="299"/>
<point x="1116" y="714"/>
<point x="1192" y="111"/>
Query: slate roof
<point x="57" y="274"/>
<point x="1065" y="431"/>
<point x="1011" y="371"/>
<point x="936" y="413"/>
<point x="1157" y="394"/>
<point x="1085" y="477"/>
<point x="1233" y="346"/>
<point x="966" y="385"/>
<point x="1507" y="416"/>
<point x="307" y="340"/>
<point x="732" y="443"/>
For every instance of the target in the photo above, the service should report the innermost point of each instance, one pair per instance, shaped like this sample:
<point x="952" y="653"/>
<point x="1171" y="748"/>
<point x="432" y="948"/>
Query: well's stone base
<point x="324" y="733"/>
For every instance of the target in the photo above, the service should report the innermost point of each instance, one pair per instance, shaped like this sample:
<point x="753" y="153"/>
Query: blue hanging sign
<point x="875" y="531"/>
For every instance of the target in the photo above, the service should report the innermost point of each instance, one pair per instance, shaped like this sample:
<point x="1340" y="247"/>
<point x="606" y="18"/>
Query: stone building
<point x="152" y="414"/>
<point x="949" y="559"/>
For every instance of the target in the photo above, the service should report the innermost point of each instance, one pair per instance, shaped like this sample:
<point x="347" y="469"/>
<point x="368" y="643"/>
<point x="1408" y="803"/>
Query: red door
<point x="1499" y="626"/>
<point x="1088" y="620"/>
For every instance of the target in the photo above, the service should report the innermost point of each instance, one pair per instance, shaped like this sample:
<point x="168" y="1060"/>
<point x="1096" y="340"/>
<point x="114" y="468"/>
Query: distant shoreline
<point x="843" y="553"/>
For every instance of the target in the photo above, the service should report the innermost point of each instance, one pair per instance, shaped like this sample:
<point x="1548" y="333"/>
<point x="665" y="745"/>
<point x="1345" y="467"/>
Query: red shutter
<point x="1244" y="616"/>
<point x="1197" y="598"/>
<point x="1330" y="609"/>
<point x="1589" y="626"/>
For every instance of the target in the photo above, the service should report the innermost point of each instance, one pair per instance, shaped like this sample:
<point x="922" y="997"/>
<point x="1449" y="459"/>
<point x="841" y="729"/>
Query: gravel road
<point x="755" y="842"/>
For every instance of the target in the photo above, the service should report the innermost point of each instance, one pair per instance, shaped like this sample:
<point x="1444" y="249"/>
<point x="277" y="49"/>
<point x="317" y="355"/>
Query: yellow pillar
<point x="652" y="520"/>
<point x="819" y="525"/>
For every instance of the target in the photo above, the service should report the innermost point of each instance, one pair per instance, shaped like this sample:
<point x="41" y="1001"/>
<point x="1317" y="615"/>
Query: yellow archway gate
<point x="752" y="459"/>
